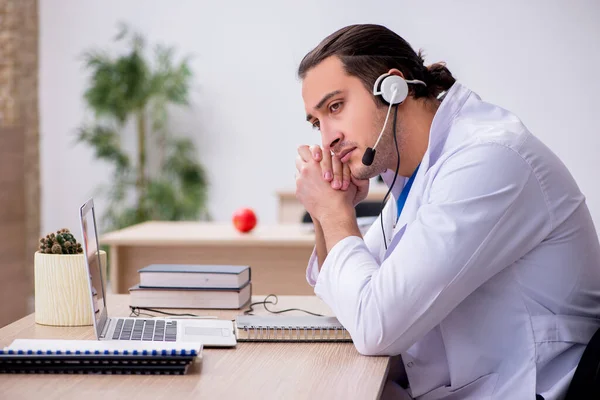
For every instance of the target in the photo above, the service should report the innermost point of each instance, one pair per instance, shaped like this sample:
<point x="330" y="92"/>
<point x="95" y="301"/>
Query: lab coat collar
<point x="451" y="105"/>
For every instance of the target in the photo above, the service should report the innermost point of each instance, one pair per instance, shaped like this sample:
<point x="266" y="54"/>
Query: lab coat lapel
<point x="442" y="121"/>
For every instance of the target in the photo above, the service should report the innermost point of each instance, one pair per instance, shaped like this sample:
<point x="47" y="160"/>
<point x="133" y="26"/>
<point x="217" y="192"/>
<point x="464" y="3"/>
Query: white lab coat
<point x="490" y="288"/>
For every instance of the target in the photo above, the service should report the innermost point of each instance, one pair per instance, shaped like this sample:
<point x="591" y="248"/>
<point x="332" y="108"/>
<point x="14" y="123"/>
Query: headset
<point x="393" y="89"/>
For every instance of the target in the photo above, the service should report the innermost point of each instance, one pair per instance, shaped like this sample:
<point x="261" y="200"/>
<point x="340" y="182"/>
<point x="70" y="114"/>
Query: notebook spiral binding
<point x="291" y="333"/>
<point x="96" y="362"/>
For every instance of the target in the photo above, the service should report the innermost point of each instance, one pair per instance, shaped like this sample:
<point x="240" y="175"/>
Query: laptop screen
<point x="90" y="248"/>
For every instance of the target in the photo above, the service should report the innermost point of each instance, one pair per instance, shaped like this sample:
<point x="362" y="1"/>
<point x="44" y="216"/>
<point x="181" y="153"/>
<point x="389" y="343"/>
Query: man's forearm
<point x="320" y="243"/>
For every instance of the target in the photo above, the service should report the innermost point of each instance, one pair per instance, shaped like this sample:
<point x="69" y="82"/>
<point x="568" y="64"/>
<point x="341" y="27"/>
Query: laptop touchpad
<point x="203" y="331"/>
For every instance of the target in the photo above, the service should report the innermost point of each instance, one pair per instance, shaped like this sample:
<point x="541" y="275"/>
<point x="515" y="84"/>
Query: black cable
<point x="265" y="302"/>
<point x="135" y="311"/>
<point x="395" y="176"/>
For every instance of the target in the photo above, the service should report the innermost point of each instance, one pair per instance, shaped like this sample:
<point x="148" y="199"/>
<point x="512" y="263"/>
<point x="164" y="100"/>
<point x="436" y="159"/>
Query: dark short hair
<point x="369" y="50"/>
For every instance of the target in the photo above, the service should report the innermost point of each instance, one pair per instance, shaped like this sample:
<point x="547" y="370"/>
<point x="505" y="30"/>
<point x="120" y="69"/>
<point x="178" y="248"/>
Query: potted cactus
<point x="62" y="281"/>
<point x="63" y="242"/>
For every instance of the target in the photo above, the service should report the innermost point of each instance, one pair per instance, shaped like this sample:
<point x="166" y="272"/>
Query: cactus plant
<point x="61" y="242"/>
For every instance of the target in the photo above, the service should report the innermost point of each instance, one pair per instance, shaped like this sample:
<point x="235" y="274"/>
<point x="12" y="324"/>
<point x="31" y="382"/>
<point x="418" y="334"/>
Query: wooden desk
<point x="277" y="254"/>
<point x="249" y="371"/>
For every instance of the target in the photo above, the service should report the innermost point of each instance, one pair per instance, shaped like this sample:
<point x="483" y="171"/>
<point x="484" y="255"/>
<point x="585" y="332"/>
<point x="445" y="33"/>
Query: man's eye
<point x="335" y="107"/>
<point x="316" y="125"/>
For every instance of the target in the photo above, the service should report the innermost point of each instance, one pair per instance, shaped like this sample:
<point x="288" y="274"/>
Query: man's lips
<point x="346" y="154"/>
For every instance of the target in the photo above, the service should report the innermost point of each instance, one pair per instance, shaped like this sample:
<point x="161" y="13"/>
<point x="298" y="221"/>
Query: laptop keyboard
<point x="146" y="329"/>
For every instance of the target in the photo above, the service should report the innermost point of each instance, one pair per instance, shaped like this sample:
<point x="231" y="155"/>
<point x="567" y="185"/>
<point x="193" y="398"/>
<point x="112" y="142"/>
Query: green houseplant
<point x="132" y="88"/>
<point x="61" y="281"/>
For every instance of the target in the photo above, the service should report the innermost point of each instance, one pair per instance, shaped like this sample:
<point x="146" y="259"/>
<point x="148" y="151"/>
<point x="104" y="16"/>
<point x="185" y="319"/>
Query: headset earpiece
<point x="386" y="84"/>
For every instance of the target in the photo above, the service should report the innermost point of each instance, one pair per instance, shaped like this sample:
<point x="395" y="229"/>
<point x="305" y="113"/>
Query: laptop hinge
<point x="105" y="329"/>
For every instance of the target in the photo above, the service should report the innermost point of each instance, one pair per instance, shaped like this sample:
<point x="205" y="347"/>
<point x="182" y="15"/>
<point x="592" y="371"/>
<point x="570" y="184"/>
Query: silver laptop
<point x="210" y="332"/>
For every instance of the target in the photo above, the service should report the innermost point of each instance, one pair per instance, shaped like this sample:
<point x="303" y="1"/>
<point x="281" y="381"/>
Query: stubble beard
<point x="385" y="151"/>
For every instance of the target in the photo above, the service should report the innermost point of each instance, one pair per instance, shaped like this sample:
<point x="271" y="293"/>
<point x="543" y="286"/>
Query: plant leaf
<point x="106" y="143"/>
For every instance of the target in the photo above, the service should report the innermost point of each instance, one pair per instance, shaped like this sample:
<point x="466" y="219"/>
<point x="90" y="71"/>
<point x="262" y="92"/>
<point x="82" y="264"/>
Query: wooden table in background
<point x="249" y="371"/>
<point x="277" y="254"/>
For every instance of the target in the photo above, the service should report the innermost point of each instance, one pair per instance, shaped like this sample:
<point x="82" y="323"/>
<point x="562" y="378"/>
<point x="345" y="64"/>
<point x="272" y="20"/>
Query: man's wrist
<point x="339" y="225"/>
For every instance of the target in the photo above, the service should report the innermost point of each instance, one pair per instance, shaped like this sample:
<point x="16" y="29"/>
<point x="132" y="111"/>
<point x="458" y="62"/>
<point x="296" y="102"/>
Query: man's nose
<point x="331" y="137"/>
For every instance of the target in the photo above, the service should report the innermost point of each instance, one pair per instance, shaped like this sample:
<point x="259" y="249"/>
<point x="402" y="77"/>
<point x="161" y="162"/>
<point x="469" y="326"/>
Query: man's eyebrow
<point x="323" y="101"/>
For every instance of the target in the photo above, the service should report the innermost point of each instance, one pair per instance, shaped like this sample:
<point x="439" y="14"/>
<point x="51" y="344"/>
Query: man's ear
<point x="395" y="71"/>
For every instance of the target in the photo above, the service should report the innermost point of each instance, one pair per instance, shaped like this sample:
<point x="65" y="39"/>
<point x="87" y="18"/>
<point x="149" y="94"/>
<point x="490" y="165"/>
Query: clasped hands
<point x="325" y="186"/>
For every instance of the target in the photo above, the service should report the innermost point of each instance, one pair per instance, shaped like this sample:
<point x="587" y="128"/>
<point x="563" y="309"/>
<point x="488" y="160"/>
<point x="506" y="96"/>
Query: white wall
<point x="537" y="58"/>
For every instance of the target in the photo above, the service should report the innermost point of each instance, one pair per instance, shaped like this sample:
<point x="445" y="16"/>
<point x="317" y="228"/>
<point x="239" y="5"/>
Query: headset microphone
<point x="393" y="89"/>
<point x="369" y="155"/>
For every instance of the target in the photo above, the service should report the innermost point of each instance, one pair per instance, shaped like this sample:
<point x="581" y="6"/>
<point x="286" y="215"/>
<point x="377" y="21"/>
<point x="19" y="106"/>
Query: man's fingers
<point x="345" y="177"/>
<point x="316" y="152"/>
<point x="336" y="165"/>
<point x="304" y="153"/>
<point x="299" y="163"/>
<point x="326" y="166"/>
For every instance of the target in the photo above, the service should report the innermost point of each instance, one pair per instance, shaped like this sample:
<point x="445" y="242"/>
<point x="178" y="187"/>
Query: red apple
<point x="244" y="220"/>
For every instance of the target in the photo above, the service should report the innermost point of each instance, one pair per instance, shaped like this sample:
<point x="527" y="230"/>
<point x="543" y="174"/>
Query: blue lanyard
<point x="404" y="194"/>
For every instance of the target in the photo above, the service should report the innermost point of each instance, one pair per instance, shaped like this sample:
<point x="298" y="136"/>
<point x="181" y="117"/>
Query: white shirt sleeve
<point x="312" y="270"/>
<point x="485" y="209"/>
<point x="372" y="238"/>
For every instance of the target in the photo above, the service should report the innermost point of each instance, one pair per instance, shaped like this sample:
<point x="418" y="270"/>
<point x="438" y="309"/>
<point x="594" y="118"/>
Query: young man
<point x="484" y="271"/>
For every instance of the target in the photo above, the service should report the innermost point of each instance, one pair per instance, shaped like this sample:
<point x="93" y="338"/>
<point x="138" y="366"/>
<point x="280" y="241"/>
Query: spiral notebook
<point x="39" y="356"/>
<point x="277" y="328"/>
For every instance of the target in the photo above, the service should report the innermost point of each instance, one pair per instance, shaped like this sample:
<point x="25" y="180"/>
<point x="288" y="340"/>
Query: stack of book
<point x="192" y="286"/>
